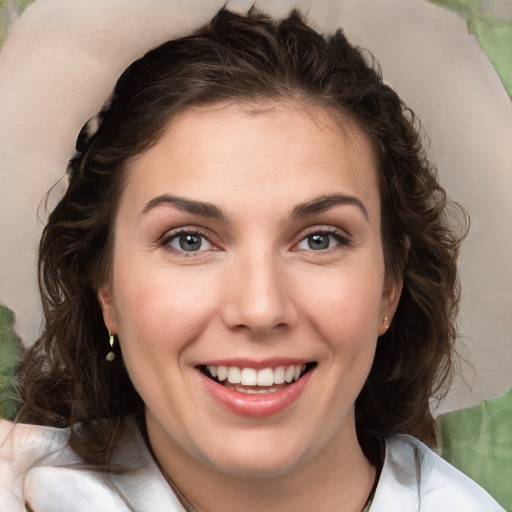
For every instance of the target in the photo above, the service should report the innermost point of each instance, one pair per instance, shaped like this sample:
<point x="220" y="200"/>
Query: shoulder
<point x="414" y="478"/>
<point x="21" y="447"/>
<point x="38" y="467"/>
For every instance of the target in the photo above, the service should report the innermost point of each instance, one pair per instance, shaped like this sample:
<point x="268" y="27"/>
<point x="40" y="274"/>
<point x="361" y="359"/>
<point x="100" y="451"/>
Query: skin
<point x="255" y="290"/>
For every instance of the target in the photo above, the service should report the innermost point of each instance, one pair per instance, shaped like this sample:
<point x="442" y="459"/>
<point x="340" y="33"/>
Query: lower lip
<point x="256" y="405"/>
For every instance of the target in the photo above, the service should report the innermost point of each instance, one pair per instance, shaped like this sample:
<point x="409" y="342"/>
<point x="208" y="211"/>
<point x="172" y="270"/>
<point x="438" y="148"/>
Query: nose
<point x="259" y="299"/>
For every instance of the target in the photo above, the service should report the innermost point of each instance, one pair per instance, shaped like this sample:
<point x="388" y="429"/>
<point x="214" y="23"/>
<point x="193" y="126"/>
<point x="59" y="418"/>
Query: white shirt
<point x="36" y="466"/>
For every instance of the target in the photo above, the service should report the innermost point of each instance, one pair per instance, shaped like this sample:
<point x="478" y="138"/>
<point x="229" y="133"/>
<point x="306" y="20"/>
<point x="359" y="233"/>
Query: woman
<point x="249" y="292"/>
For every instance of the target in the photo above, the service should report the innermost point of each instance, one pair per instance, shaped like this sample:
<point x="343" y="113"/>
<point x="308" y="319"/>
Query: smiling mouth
<point x="252" y="381"/>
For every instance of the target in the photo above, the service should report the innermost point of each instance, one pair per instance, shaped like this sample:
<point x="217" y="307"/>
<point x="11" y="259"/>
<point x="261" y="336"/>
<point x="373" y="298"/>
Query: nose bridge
<point x="259" y="298"/>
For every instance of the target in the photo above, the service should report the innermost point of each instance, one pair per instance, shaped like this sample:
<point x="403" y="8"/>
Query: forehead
<point x="249" y="152"/>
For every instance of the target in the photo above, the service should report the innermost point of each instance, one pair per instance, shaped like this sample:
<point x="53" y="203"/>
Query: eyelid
<point x="186" y="230"/>
<point x="342" y="236"/>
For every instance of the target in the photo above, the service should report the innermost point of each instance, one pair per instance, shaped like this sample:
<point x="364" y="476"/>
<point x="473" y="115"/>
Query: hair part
<point x="65" y="380"/>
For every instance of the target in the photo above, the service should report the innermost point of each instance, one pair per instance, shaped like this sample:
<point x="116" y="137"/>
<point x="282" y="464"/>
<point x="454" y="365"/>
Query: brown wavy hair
<point x="65" y="380"/>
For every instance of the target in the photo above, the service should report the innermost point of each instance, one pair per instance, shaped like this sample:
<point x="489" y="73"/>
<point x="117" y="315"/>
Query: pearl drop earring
<point x="110" y="356"/>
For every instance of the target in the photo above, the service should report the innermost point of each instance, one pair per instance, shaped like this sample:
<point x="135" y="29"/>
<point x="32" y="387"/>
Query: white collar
<point x="37" y="462"/>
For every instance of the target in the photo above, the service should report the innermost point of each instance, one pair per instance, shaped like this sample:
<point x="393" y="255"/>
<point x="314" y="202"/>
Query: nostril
<point x="257" y="300"/>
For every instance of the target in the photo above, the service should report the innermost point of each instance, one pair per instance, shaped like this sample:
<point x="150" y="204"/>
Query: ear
<point x="389" y="304"/>
<point x="107" y="307"/>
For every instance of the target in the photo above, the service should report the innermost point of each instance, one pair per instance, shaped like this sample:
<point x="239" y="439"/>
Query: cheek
<point x="160" y="311"/>
<point x="345" y="304"/>
<point x="344" y="310"/>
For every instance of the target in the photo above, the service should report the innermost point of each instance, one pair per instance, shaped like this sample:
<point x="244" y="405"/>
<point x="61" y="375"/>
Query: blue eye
<point x="321" y="241"/>
<point x="189" y="242"/>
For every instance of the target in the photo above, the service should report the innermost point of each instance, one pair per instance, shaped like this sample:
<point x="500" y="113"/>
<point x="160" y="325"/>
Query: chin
<point x="254" y="460"/>
<point x="258" y="469"/>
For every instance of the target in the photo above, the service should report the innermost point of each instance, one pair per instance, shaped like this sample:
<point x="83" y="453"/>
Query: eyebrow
<point x="187" y="205"/>
<point x="316" y="205"/>
<point x="324" y="203"/>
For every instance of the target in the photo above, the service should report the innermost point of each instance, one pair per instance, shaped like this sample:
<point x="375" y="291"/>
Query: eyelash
<point x="341" y="239"/>
<point x="175" y="235"/>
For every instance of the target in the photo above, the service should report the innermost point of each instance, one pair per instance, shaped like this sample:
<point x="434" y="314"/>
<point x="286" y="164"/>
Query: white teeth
<point x="279" y="375"/>
<point x="266" y="377"/>
<point x="252" y="391"/>
<point x="222" y="372"/>
<point x="234" y="375"/>
<point x="248" y="377"/>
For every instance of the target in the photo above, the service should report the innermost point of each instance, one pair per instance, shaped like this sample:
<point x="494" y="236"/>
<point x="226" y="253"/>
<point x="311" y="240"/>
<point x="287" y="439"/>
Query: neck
<point x="338" y="478"/>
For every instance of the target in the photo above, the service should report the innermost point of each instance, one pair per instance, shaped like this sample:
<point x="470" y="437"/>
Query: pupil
<point x="190" y="242"/>
<point x="318" y="242"/>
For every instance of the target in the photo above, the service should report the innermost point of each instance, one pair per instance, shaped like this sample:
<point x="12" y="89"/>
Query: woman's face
<point x="248" y="286"/>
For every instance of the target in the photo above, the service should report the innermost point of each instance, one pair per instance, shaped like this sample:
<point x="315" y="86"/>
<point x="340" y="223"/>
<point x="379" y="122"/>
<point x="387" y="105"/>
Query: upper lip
<point x="257" y="364"/>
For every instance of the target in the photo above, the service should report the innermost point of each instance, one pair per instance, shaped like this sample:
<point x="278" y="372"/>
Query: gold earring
<point x="110" y="356"/>
<point x="386" y="323"/>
